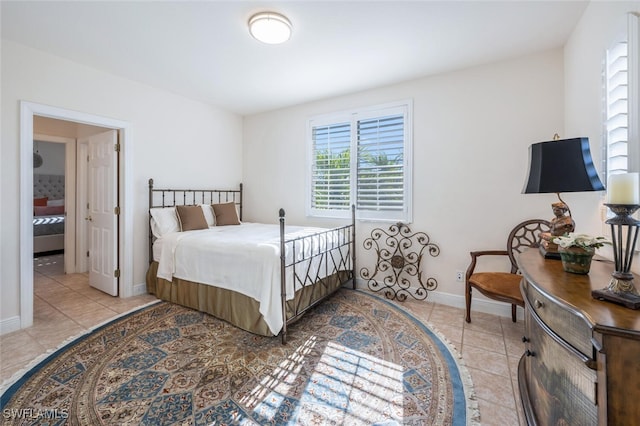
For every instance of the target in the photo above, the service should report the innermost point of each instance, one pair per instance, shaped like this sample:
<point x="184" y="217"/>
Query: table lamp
<point x="560" y="165"/>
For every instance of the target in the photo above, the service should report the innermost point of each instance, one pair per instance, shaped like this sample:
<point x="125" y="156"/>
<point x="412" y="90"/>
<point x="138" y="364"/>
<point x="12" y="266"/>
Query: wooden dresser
<point x="581" y="364"/>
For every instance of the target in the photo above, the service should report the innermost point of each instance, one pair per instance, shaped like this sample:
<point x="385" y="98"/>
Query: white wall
<point x="472" y="130"/>
<point x="601" y="25"/>
<point x="177" y="141"/>
<point x="53" y="157"/>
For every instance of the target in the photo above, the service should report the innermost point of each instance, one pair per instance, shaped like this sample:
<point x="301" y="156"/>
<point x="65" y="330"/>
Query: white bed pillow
<point x="59" y="202"/>
<point x="208" y="214"/>
<point x="163" y="221"/>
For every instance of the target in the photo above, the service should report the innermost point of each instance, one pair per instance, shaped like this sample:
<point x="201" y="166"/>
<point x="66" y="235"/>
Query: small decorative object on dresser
<point x="577" y="250"/>
<point x="623" y="197"/>
<point x="621" y="288"/>
<point x="581" y="355"/>
<point x="576" y="260"/>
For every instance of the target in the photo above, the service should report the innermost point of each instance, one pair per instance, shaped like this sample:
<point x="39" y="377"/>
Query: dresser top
<point x="574" y="291"/>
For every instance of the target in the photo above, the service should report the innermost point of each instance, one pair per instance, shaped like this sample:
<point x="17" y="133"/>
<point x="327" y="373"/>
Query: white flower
<point x="580" y="240"/>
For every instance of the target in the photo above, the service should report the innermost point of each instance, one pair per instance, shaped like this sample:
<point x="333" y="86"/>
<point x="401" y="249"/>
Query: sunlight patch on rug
<point x="344" y="380"/>
<point x="355" y="359"/>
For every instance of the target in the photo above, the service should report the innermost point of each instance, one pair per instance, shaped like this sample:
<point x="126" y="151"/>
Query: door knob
<point x="90" y="219"/>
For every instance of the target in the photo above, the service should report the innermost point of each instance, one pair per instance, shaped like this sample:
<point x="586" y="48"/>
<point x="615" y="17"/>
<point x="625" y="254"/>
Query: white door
<point x="82" y="210"/>
<point x="102" y="218"/>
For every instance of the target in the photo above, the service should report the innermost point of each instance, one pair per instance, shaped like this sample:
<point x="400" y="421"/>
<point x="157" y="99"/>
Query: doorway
<point x="77" y="173"/>
<point x="54" y="186"/>
<point x="124" y="236"/>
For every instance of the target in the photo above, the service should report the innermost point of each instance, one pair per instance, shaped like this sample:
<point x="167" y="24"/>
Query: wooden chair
<point x="504" y="286"/>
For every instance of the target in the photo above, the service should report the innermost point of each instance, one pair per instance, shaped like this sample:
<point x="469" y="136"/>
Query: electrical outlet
<point x="459" y="276"/>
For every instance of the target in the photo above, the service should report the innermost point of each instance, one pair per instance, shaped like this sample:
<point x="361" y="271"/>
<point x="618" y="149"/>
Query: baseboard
<point x="139" y="289"/>
<point x="9" y="325"/>
<point x="458" y="301"/>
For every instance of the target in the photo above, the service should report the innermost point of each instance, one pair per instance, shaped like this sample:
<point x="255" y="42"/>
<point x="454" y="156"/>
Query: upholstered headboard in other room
<point x="51" y="186"/>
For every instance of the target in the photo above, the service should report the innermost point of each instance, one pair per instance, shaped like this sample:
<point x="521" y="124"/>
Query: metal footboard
<point x="324" y="254"/>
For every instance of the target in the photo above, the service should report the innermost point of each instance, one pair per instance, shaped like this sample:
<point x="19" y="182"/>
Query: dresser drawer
<point x="559" y="384"/>
<point x="567" y="325"/>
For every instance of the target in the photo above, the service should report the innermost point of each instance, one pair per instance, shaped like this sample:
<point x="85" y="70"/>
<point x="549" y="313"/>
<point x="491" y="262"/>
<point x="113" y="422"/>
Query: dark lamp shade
<point x="563" y="165"/>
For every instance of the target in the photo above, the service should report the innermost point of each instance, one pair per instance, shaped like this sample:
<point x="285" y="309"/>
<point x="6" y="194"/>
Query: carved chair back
<point x="525" y="235"/>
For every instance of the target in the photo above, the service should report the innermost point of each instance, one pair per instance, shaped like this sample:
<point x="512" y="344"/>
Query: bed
<point x="48" y="213"/>
<point x="258" y="277"/>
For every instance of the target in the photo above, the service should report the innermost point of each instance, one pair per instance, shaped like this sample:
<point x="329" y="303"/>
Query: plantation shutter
<point x="617" y="119"/>
<point x="361" y="158"/>
<point x="380" y="171"/>
<point x="330" y="175"/>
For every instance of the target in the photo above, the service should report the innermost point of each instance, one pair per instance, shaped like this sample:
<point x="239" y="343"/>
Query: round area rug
<point x="355" y="359"/>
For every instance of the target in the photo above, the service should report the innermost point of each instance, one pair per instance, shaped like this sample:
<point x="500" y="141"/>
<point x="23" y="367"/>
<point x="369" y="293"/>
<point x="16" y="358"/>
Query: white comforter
<point x="244" y="258"/>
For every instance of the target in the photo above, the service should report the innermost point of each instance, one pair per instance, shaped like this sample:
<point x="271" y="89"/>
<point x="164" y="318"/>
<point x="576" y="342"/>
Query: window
<point x="361" y="157"/>
<point x="622" y="74"/>
<point x="617" y="116"/>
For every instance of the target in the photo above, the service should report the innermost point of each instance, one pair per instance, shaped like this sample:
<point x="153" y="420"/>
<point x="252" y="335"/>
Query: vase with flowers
<point x="577" y="250"/>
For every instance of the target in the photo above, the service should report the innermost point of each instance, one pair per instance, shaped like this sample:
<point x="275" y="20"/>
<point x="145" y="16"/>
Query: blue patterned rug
<point x="356" y="359"/>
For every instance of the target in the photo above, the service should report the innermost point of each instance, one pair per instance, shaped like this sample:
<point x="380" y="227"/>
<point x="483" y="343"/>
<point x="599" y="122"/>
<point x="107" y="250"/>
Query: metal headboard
<point x="190" y="197"/>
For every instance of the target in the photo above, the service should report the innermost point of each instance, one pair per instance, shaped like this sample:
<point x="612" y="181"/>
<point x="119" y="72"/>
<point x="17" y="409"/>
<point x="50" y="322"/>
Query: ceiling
<point x="203" y="49"/>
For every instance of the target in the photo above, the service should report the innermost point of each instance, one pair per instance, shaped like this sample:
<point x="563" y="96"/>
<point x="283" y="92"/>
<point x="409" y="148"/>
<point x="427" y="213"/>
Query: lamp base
<point x="627" y="295"/>
<point x="549" y="250"/>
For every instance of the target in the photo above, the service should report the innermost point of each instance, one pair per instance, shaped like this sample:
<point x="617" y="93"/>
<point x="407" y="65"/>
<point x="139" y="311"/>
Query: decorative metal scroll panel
<point x="399" y="257"/>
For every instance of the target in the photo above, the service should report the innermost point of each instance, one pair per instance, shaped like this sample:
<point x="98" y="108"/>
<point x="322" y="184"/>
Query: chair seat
<point x="501" y="284"/>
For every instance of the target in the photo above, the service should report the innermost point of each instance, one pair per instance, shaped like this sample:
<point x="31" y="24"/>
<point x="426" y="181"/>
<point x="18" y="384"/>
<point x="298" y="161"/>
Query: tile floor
<point x="65" y="306"/>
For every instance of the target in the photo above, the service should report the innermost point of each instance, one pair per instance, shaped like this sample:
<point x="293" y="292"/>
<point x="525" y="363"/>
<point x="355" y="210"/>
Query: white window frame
<point x="353" y="116"/>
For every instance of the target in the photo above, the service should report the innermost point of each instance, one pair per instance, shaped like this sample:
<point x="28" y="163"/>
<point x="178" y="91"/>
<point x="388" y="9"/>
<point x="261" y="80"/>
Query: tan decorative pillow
<point x="226" y="214"/>
<point x="191" y="218"/>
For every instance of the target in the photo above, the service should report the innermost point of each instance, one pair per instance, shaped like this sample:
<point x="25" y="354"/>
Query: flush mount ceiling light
<point x="270" y="27"/>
